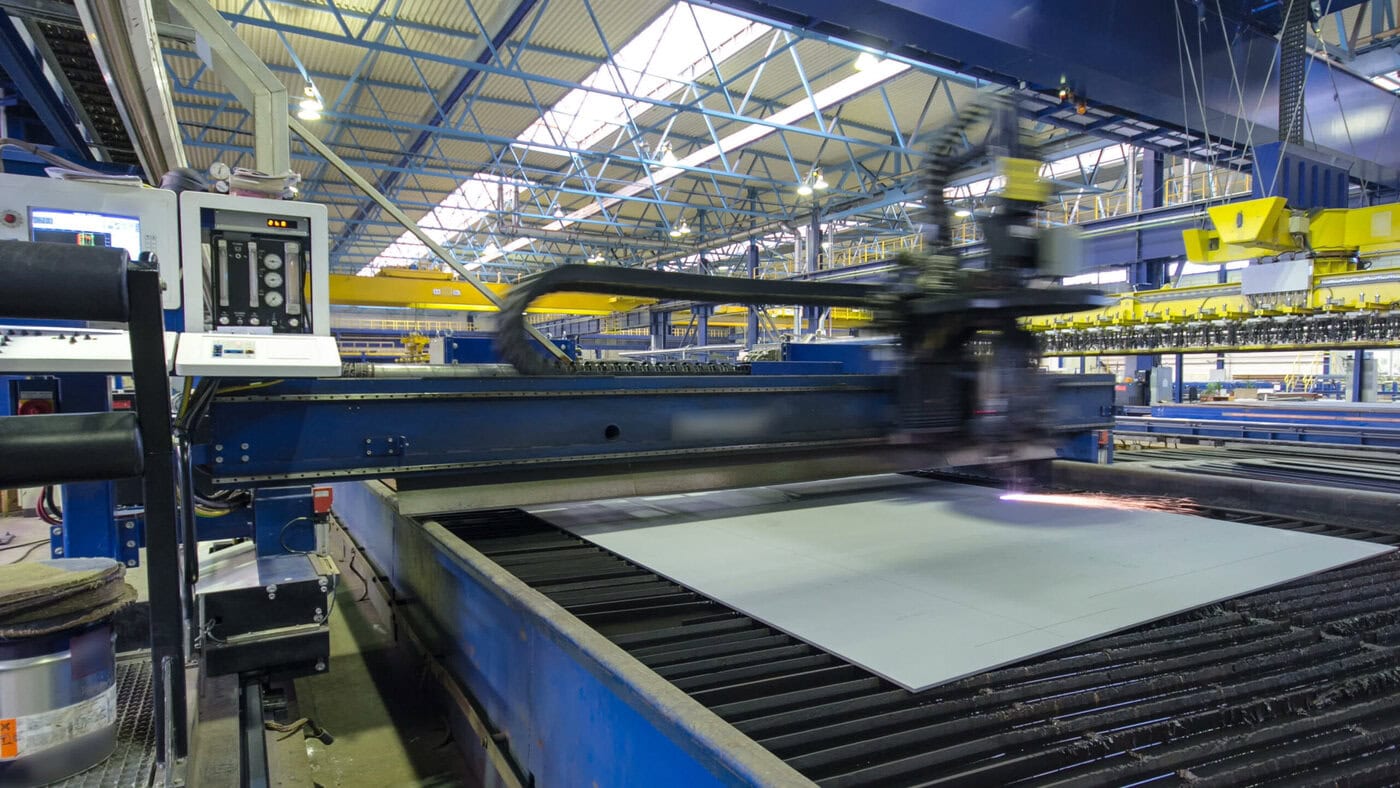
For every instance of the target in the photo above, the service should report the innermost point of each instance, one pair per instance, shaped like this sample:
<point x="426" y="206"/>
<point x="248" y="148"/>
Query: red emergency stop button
<point x="9" y="218"/>
<point x="35" y="407"/>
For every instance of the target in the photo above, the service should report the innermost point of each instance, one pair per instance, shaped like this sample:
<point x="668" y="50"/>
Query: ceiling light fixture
<point x="867" y="60"/>
<point x="595" y="258"/>
<point x="962" y="213"/>
<point x="667" y="155"/>
<point x="310" y="106"/>
<point x="814" y="182"/>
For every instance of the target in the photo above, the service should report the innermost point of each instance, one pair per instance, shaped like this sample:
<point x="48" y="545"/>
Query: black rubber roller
<point x="62" y="282"/>
<point x="68" y="447"/>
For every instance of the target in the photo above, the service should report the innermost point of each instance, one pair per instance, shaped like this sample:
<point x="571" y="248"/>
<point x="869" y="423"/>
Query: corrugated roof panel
<point x="567" y="25"/>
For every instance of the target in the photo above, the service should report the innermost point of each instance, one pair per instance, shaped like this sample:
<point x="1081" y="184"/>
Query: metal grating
<point x="133" y="762"/>
<point x="73" y="55"/>
<point x="1298" y="685"/>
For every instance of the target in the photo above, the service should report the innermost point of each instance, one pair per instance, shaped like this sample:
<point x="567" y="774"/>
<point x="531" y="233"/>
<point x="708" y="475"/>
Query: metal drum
<point x="58" y="704"/>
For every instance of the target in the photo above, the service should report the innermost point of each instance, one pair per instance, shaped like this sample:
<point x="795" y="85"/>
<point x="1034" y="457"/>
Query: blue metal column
<point x="1153" y="188"/>
<point x="89" y="527"/>
<point x="702" y="324"/>
<point x="751" y="329"/>
<point x="660" y="329"/>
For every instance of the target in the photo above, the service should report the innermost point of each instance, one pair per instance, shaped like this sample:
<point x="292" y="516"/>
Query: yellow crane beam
<point x="435" y="290"/>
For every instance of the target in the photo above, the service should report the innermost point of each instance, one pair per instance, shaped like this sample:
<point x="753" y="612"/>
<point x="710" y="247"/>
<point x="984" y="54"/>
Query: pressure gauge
<point x="272" y="262"/>
<point x="273" y="279"/>
<point x="219" y="171"/>
<point x="272" y="298"/>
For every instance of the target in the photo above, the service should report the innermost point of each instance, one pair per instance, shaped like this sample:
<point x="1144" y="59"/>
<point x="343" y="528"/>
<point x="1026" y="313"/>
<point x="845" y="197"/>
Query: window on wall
<point x="1108" y="277"/>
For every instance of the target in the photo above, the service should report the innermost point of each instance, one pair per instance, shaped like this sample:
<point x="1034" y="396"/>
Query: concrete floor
<point x="28" y="532"/>
<point x="373" y="700"/>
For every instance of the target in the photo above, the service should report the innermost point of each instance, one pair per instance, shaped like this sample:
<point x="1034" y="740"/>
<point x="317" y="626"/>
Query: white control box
<point x="133" y="218"/>
<point x="257" y="355"/>
<point x="254" y="265"/>
<point x="39" y="351"/>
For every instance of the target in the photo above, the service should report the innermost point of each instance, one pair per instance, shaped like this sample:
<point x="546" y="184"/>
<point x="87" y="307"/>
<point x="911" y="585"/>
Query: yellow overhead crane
<point x="415" y="289"/>
<point x="1339" y="243"/>
<point x="440" y="290"/>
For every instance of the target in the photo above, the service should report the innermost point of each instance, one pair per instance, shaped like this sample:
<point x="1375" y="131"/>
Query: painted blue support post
<point x="1152" y="194"/>
<point x="660" y="328"/>
<point x="89" y="527"/>
<point x="1178" y="383"/>
<point x="751" y="328"/>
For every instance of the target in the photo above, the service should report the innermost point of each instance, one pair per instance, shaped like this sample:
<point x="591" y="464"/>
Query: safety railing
<point x="871" y="250"/>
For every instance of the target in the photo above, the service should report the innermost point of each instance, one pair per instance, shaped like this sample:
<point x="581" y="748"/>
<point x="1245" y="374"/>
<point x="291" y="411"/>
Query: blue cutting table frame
<point x="570" y="707"/>
<point x="1374" y="425"/>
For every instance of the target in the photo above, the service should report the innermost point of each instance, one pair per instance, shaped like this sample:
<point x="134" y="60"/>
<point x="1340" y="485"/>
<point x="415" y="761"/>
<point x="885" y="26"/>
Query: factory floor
<point x="373" y="700"/>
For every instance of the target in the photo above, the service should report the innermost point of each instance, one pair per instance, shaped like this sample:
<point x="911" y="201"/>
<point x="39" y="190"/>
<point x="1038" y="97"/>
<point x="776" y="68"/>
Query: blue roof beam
<point x="1114" y="54"/>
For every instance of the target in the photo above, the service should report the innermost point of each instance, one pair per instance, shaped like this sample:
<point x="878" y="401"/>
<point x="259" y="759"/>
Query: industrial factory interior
<point x="613" y="393"/>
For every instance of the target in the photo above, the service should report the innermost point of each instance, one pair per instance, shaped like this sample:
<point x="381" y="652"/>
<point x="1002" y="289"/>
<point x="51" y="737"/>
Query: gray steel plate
<point x="926" y="582"/>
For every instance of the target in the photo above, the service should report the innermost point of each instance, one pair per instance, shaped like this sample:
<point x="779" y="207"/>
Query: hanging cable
<point x="41" y="507"/>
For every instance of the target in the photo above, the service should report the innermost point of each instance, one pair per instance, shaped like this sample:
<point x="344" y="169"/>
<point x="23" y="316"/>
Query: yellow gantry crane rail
<point x="1336" y="245"/>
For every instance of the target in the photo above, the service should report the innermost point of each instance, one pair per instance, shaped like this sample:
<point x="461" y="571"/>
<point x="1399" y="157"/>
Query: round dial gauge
<point x="273" y="279"/>
<point x="272" y="262"/>
<point x="219" y="171"/>
<point x="272" y="298"/>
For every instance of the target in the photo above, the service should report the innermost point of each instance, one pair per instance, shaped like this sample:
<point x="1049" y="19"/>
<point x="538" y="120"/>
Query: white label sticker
<point x="38" y="732"/>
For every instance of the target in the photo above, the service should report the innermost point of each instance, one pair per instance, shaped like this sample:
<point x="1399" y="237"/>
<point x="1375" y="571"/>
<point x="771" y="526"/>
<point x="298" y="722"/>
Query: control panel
<point x="262" y="265"/>
<point x="225" y="354"/>
<point x="81" y="213"/>
<point x="27" y="349"/>
<point x="259" y="277"/>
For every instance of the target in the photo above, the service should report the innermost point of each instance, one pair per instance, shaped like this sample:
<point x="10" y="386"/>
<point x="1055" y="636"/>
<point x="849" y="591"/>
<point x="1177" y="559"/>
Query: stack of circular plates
<point x="43" y="597"/>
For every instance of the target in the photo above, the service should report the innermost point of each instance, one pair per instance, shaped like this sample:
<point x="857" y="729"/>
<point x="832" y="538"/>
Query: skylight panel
<point x="664" y="58"/>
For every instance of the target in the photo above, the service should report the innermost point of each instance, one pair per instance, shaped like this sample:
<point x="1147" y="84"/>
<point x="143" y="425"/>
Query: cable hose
<point x="517" y="348"/>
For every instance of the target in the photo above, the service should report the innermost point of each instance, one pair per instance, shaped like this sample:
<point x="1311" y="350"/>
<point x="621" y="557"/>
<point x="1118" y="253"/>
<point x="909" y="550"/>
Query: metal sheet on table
<point x="926" y="582"/>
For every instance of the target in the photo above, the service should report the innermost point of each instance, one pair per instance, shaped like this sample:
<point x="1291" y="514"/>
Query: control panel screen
<point x="259" y="282"/>
<point x="86" y="229"/>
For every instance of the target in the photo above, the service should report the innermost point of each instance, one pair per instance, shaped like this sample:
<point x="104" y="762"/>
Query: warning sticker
<point x="38" y="732"/>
